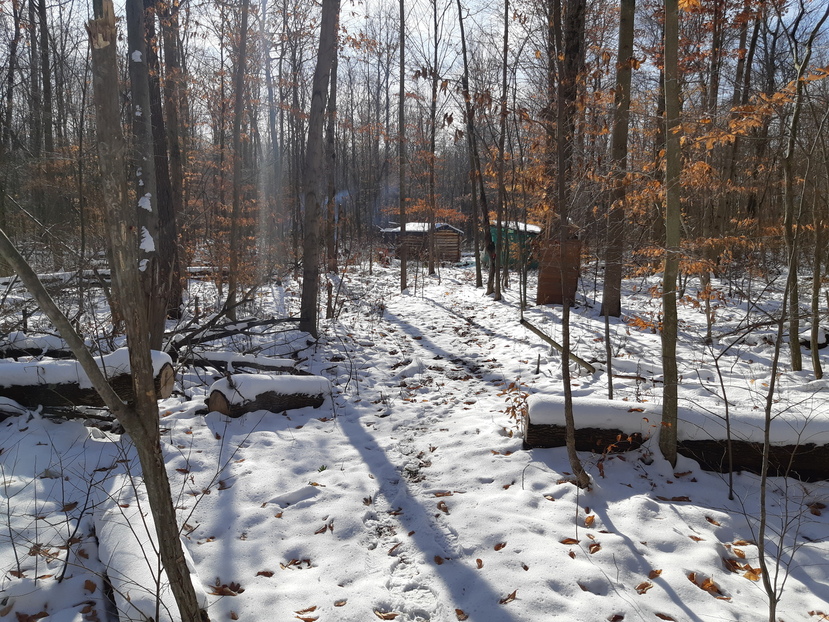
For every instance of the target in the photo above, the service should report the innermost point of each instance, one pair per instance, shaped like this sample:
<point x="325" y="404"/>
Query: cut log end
<point x="165" y="381"/>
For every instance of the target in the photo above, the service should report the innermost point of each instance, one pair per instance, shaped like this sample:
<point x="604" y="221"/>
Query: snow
<point x="36" y="372"/>
<point x="147" y="242"/>
<point x="136" y="56"/>
<point x="409" y="492"/>
<point x="145" y="202"/>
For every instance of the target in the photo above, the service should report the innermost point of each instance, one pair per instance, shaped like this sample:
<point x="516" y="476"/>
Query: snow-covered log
<point x="53" y="382"/>
<point x="799" y="445"/>
<point x="243" y="393"/>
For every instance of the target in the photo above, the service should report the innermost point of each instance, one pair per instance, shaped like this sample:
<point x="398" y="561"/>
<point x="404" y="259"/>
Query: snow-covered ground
<point x="408" y="495"/>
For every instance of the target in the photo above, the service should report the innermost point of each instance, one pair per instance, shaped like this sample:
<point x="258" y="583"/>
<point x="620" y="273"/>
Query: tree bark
<point x="668" y="431"/>
<point x="612" y="293"/>
<point x="236" y="213"/>
<point x="469" y="114"/>
<point x="315" y="167"/>
<point x="790" y="220"/>
<point x="141" y="419"/>
<point x="143" y="162"/>
<point x="401" y="151"/>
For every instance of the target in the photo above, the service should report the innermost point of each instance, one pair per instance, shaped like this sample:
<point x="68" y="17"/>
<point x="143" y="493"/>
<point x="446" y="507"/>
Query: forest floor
<point x="408" y="495"/>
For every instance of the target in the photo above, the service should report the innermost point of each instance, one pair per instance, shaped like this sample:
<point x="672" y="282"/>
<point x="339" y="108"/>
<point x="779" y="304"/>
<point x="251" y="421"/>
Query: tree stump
<point x="243" y="393"/>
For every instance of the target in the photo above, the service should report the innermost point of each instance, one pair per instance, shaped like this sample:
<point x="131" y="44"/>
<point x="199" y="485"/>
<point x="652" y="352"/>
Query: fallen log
<point x="799" y="448"/>
<point x="243" y="393"/>
<point x="53" y="382"/>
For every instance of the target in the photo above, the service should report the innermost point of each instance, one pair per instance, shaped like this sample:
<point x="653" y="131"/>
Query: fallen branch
<point x="557" y="346"/>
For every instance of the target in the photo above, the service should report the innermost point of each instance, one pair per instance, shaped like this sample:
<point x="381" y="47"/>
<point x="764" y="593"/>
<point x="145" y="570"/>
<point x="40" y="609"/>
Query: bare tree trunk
<point x="612" y="294"/>
<point x="401" y="152"/>
<point x="469" y="114"/>
<point x="140" y="419"/>
<point x="668" y="431"/>
<point x="433" y="110"/>
<point x="46" y="78"/>
<point x="790" y="218"/>
<point x="173" y="104"/>
<point x="236" y="214"/>
<point x="331" y="207"/>
<point x="566" y="53"/>
<point x="143" y="160"/>
<point x="502" y="136"/>
<point x="315" y="167"/>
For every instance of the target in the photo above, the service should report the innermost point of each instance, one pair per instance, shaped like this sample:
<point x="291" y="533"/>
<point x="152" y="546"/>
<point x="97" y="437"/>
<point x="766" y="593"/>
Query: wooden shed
<point x="447" y="240"/>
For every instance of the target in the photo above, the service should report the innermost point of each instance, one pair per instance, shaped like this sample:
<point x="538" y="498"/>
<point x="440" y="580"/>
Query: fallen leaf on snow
<point x="461" y="615"/>
<point x="509" y="598"/>
<point x="654" y="573"/>
<point x="644" y="587"/>
<point x="500" y="546"/>
<point x="385" y="615"/>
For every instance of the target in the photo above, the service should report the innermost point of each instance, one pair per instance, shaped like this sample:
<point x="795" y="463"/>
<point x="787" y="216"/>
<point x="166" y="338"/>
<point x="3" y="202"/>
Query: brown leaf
<point x="308" y="610"/>
<point x="223" y="485"/>
<point x="234" y="615"/>
<point x="443" y="507"/>
<point x="583" y="587"/>
<point x="264" y="573"/>
<point x="731" y="564"/>
<point x="461" y="615"/>
<point x="480" y="563"/>
<point x="322" y="529"/>
<point x="595" y="548"/>
<point x="443" y="494"/>
<point x="752" y="574"/>
<point x="644" y="587"/>
<point x="307" y="618"/>
<point x="500" y="546"/>
<point x="340" y="603"/>
<point x="385" y="615"/>
<point x="572" y="554"/>
<point x="45" y="576"/>
<point x="589" y="520"/>
<point x="742" y="543"/>
<point x="509" y="598"/>
<point x="569" y="541"/>
<point x="69" y="507"/>
<point x="654" y="573"/>
<point x="17" y="574"/>
<point x="740" y="553"/>
<point x="665" y="616"/>
<point x="677" y="499"/>
<point x="439" y="560"/>
<point x="90" y="586"/>
<point x="617" y="617"/>
<point x="83" y="553"/>
<point x="6" y="610"/>
<point x="696" y="538"/>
